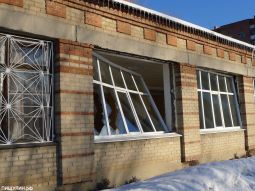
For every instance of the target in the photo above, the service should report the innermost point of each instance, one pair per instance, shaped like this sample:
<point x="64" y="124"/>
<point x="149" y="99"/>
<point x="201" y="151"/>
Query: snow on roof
<point x="168" y="19"/>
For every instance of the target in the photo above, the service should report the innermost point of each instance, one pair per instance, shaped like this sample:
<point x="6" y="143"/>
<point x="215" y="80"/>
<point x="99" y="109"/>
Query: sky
<point x="206" y="13"/>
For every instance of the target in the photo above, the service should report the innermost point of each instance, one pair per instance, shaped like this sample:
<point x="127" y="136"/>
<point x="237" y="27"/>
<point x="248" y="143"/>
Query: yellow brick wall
<point x="119" y="161"/>
<point x="35" y="166"/>
<point x="75" y="15"/>
<point x="222" y="146"/>
<point x="34" y="6"/>
<point x="109" y="25"/>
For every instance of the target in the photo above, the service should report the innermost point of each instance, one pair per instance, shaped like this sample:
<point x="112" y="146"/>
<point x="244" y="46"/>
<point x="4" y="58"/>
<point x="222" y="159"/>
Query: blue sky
<point x="206" y="13"/>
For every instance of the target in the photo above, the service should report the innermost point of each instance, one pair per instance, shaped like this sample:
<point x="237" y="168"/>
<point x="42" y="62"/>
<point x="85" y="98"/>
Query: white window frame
<point x="213" y="92"/>
<point x="127" y="91"/>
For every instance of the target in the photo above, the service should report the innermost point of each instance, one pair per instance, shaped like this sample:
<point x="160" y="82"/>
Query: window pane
<point x="200" y="111"/>
<point x="129" y="81"/>
<point x="24" y="82"/>
<point x="25" y="129"/>
<point x="157" y="124"/>
<point x="234" y="111"/>
<point x="117" y="77"/>
<point x="226" y="111"/>
<point x="229" y="84"/>
<point x="198" y="80"/>
<point x="113" y="113"/>
<point x="222" y="84"/>
<point x="217" y="112"/>
<point x="98" y="110"/>
<point x="95" y="69"/>
<point x="142" y="115"/>
<point x="129" y="115"/>
<point x="208" y="110"/>
<point x="2" y="52"/>
<point x="205" y="80"/>
<point x="214" y="84"/>
<point x="105" y="73"/>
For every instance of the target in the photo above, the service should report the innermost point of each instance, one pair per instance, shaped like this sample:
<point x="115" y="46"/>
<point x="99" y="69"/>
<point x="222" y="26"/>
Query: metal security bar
<point x="217" y="101"/>
<point x="26" y="82"/>
<point x="135" y="110"/>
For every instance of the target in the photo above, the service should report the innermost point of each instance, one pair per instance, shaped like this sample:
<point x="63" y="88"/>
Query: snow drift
<point x="232" y="175"/>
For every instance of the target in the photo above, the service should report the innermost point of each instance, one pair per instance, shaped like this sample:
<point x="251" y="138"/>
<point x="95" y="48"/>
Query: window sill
<point x="121" y="138"/>
<point x="220" y="130"/>
<point x="27" y="145"/>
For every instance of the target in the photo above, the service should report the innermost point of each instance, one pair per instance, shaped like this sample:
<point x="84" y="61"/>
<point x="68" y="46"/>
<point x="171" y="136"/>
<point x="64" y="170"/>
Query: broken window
<point x="122" y="101"/>
<point x="218" y="106"/>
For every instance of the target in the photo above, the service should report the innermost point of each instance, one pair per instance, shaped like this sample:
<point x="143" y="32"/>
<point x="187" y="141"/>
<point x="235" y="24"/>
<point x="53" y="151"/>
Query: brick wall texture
<point x="74" y="111"/>
<point x="247" y="109"/>
<point x="222" y="146"/>
<point x="187" y="111"/>
<point x="34" y="167"/>
<point x="77" y="160"/>
<point x="18" y="3"/>
<point x="119" y="161"/>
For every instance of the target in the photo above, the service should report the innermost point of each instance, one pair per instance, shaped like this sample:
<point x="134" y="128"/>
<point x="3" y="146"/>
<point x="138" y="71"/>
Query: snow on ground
<point x="232" y="175"/>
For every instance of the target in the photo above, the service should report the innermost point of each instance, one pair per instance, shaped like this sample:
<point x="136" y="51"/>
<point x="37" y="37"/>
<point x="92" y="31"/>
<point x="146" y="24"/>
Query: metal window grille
<point x="26" y="84"/>
<point x="218" y="106"/>
<point x="120" y="89"/>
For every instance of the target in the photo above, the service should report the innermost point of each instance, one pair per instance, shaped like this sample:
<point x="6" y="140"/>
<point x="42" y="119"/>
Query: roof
<point x="183" y="25"/>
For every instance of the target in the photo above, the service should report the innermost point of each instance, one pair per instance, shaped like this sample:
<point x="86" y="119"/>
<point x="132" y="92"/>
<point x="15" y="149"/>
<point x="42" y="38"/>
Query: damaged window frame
<point x="97" y="58"/>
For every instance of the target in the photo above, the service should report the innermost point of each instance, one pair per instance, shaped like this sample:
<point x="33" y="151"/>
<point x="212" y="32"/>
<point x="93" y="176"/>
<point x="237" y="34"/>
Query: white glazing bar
<point x="141" y="99"/>
<point x="114" y="65"/>
<point x="118" y="102"/>
<point x="229" y="103"/>
<point x="167" y="95"/>
<point x="209" y="80"/>
<point x="155" y="108"/>
<point x="118" y="88"/>
<point x="174" y="92"/>
<point x="103" y="99"/>
<point x="236" y="104"/>
<point x="202" y="100"/>
<point x="42" y="105"/>
<point x="132" y="105"/>
<point x="52" y="90"/>
<point x="8" y="89"/>
<point x="221" y="110"/>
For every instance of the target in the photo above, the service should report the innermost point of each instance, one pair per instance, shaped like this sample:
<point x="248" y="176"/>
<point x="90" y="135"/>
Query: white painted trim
<point x="220" y="130"/>
<point x="167" y="95"/>
<point x="144" y="136"/>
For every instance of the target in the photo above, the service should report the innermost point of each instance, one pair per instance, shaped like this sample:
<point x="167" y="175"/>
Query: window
<point x="122" y="102"/>
<point x="218" y="106"/>
<point x="25" y="90"/>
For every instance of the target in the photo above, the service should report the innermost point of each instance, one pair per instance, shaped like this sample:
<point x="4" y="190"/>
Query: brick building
<point x="242" y="30"/>
<point x="109" y="89"/>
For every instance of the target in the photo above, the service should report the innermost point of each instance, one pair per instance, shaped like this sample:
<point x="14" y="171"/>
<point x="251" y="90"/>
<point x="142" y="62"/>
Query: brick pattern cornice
<point x="134" y="19"/>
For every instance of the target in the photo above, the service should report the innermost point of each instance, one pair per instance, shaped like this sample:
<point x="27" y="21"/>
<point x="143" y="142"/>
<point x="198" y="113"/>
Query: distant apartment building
<point x="242" y="30"/>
